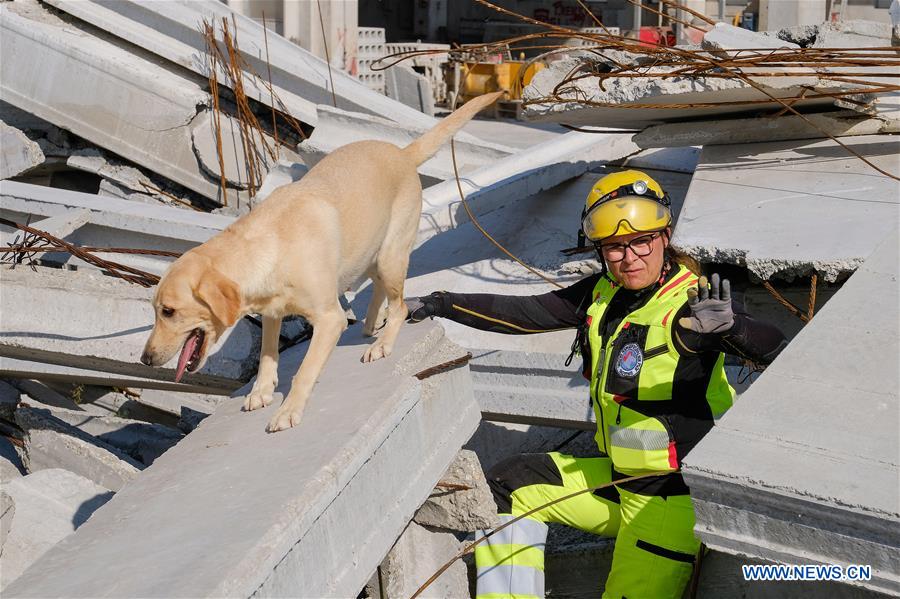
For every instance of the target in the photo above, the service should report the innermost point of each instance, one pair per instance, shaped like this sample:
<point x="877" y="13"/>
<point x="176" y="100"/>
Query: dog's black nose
<point x="146" y="359"/>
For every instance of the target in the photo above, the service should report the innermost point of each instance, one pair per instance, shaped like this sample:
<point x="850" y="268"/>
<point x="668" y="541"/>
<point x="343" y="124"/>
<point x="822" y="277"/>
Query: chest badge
<point x="629" y="360"/>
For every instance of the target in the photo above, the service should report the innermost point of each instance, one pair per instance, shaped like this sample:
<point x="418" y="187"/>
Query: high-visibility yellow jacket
<point x="649" y="412"/>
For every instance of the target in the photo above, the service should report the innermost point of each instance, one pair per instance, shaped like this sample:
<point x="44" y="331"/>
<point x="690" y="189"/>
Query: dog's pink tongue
<point x="186" y="352"/>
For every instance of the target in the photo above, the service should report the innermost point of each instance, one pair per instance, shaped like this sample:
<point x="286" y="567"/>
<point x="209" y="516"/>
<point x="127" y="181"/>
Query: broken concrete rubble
<point x="52" y="443"/>
<point x="7" y="512"/>
<point x="737" y="207"/>
<point x="18" y="154"/>
<point x="452" y="508"/>
<point x="144" y="110"/>
<point x="300" y="79"/>
<point x="49" y="506"/>
<point x="195" y="396"/>
<point x="339" y="127"/>
<point x="756" y="485"/>
<point x="518" y="176"/>
<point x="723" y="39"/>
<point x="721" y="97"/>
<point x="142" y="441"/>
<point x="113" y="343"/>
<point x="405" y="85"/>
<point x="287" y="519"/>
<point x="764" y="129"/>
<point x="11" y="466"/>
<point x="417" y="554"/>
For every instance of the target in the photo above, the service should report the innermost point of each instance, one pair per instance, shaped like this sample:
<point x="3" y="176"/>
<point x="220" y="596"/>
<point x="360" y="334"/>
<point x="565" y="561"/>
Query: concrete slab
<point x="53" y="443"/>
<point x="191" y="395"/>
<point x="18" y="154"/>
<point x="768" y="482"/>
<point x="340" y="127"/>
<point x="292" y="524"/>
<point x="300" y="79"/>
<point x="49" y="326"/>
<point x="50" y="505"/>
<point x="11" y="466"/>
<point x="130" y="104"/>
<point x="419" y="553"/>
<point x="108" y="222"/>
<point x="461" y="509"/>
<point x="777" y="208"/>
<point x="139" y="440"/>
<point x="617" y="91"/>
<point x="520" y="175"/>
<point x="405" y="85"/>
<point x="7" y="511"/>
<point x="762" y="129"/>
<point x="723" y="38"/>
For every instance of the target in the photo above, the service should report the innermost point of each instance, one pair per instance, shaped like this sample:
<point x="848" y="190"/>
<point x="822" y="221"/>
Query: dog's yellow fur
<point x="352" y="215"/>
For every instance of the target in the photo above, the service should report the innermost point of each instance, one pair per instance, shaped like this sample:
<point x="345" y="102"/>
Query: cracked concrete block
<point x="853" y="34"/>
<point x="764" y="129"/>
<point x="7" y="512"/>
<point x="418" y="554"/>
<point x="11" y="466"/>
<point x="291" y="514"/>
<point x="49" y="506"/>
<point x="142" y="441"/>
<point x="516" y="177"/>
<point x="405" y="85"/>
<point x="460" y="509"/>
<point x="112" y="343"/>
<point x="57" y="374"/>
<point x="340" y="127"/>
<point x="18" y="154"/>
<point x="614" y="103"/>
<point x="747" y="205"/>
<point x="754" y="481"/>
<point x="124" y="102"/>
<point x="9" y="399"/>
<point x="52" y="443"/>
<point x="724" y="37"/>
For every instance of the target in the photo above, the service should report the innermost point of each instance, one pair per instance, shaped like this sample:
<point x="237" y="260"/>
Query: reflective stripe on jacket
<point x="649" y="415"/>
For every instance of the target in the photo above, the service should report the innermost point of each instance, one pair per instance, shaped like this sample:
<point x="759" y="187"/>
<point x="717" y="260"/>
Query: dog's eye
<point x="166" y="311"/>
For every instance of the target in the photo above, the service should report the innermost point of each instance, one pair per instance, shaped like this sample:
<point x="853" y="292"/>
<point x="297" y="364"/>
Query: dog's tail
<point x="427" y="146"/>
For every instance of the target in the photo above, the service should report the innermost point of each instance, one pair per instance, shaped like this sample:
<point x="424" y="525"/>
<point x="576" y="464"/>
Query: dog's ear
<point x="222" y="296"/>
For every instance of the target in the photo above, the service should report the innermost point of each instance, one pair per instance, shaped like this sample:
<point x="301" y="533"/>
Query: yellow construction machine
<point x="469" y="76"/>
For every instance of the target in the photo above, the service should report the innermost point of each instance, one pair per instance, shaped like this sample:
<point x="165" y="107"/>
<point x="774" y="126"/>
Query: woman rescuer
<point x="653" y="335"/>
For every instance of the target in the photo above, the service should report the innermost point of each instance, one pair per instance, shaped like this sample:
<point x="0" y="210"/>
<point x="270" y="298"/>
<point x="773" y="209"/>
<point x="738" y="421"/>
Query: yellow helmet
<point x="622" y="203"/>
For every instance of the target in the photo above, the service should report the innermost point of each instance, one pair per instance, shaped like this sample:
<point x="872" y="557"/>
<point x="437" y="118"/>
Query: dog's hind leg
<point x="374" y="314"/>
<point x="267" y="376"/>
<point x="328" y="324"/>
<point x="392" y="275"/>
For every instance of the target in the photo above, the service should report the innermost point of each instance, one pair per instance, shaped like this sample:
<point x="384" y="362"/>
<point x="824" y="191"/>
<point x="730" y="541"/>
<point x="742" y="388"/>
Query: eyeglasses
<point x="641" y="246"/>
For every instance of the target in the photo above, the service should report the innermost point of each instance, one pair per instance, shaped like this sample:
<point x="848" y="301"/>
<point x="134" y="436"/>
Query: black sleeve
<point x="749" y="338"/>
<point x="519" y="315"/>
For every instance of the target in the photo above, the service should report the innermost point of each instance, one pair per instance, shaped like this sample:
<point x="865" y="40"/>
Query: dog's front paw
<point x="284" y="419"/>
<point x="257" y="400"/>
<point x="376" y="351"/>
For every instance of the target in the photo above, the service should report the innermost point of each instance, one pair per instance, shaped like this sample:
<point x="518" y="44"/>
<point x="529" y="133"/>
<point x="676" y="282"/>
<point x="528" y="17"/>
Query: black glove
<point x="710" y="309"/>
<point x="421" y="308"/>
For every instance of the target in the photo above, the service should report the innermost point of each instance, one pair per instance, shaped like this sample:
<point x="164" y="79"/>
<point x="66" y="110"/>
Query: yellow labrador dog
<point x="354" y="214"/>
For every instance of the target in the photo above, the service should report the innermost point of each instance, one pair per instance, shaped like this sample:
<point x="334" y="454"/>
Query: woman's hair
<point x="679" y="257"/>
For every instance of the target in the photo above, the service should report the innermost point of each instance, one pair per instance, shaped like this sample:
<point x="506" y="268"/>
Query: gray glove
<point x="710" y="310"/>
<point x="421" y="308"/>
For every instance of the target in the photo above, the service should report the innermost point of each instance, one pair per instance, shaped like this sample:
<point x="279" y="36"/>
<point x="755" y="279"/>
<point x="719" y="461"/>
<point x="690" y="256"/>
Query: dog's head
<point x="194" y="305"/>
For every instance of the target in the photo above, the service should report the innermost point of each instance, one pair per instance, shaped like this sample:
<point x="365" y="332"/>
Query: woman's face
<point x="626" y="266"/>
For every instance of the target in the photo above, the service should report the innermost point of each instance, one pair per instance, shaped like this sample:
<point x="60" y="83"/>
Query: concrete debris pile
<point x="119" y="159"/>
<point x="111" y="166"/>
<point x="734" y="72"/>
